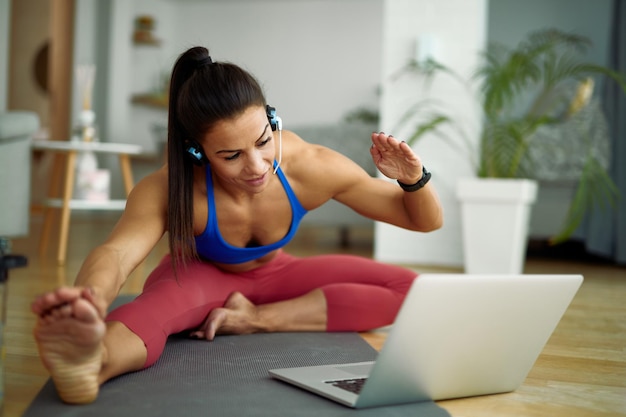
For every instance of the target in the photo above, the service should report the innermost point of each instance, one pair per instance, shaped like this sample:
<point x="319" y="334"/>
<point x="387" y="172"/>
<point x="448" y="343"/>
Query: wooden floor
<point x="581" y="372"/>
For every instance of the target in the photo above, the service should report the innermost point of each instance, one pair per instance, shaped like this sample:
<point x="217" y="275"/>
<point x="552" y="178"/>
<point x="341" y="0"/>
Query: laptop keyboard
<point x="352" y="385"/>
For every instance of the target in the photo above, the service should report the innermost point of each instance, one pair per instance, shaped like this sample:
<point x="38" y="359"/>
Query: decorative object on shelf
<point x="92" y="184"/>
<point x="158" y="97"/>
<point x="144" y="27"/>
<point x="87" y="119"/>
<point x="86" y="75"/>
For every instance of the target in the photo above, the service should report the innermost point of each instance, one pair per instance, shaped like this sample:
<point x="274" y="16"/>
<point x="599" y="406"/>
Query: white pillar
<point x="457" y="32"/>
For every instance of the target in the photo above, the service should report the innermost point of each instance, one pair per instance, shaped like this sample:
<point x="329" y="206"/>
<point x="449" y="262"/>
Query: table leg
<point x="68" y="189"/>
<point x="127" y="173"/>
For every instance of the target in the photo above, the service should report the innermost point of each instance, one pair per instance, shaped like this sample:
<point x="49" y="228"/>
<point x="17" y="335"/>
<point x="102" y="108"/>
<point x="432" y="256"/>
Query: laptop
<point x="456" y="335"/>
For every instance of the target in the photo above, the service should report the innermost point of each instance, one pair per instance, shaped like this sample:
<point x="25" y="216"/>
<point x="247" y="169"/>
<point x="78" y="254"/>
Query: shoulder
<point x="302" y="157"/>
<point x="154" y="181"/>
<point x="310" y="166"/>
<point x="150" y="190"/>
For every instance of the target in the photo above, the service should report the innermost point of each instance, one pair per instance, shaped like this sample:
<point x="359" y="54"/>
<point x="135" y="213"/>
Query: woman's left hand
<point x="395" y="159"/>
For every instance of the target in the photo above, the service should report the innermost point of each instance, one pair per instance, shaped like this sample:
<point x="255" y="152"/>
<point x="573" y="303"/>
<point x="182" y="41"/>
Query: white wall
<point x="317" y="59"/>
<point x="459" y="30"/>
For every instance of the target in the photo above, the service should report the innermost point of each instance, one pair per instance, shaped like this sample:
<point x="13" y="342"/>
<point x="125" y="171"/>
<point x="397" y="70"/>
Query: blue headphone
<point x="196" y="154"/>
<point x="275" y="121"/>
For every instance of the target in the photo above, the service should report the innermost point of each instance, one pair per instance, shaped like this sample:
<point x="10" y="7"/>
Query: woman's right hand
<point x="52" y="301"/>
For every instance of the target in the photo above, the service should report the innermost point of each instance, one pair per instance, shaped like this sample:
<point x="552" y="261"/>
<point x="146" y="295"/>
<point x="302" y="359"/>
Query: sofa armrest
<point x="16" y="131"/>
<point x="17" y="125"/>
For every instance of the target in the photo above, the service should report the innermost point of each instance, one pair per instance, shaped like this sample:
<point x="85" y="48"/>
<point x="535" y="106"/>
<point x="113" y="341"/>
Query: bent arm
<point x="385" y="201"/>
<point x="340" y="178"/>
<point x="140" y="227"/>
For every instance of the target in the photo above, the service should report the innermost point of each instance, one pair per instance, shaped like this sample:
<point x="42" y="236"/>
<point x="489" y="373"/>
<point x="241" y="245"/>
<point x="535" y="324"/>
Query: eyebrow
<point x="237" y="150"/>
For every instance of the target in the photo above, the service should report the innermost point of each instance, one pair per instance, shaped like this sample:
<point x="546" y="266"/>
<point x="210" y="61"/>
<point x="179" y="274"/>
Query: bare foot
<point x="69" y="337"/>
<point x="238" y="316"/>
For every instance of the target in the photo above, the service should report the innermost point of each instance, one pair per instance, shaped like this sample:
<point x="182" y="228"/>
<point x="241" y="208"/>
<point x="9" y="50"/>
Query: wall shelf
<point x="151" y="100"/>
<point x="147" y="42"/>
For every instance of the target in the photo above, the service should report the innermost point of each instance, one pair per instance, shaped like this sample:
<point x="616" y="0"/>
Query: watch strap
<point x="418" y="185"/>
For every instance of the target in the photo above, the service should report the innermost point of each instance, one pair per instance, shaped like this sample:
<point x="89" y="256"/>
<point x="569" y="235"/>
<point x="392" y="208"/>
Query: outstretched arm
<point x="74" y="343"/>
<point x="380" y="199"/>
<point x="107" y="267"/>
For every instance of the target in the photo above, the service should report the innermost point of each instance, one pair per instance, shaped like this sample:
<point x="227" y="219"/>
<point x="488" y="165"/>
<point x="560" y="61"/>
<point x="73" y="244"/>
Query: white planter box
<point x="495" y="214"/>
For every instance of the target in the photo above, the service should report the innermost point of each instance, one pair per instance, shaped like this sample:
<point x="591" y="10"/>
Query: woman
<point x="230" y="196"/>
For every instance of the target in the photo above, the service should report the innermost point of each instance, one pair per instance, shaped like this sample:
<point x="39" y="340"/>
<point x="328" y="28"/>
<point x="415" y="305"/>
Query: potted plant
<point x="541" y="83"/>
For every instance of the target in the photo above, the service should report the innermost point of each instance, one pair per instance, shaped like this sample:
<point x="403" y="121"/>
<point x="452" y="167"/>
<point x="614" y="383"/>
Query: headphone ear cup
<point x="195" y="153"/>
<point x="275" y="121"/>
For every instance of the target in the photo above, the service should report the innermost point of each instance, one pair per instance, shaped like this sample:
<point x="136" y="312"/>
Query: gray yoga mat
<point x="228" y="377"/>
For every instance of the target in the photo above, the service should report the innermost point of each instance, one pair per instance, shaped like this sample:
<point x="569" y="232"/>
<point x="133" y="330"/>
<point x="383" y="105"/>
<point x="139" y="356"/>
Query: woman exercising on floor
<point x="231" y="195"/>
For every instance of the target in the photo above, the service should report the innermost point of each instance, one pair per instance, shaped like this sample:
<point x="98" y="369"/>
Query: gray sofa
<point x="16" y="131"/>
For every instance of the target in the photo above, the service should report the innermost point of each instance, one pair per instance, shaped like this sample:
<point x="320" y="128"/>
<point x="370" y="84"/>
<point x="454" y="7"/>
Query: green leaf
<point x="595" y="190"/>
<point x="429" y="126"/>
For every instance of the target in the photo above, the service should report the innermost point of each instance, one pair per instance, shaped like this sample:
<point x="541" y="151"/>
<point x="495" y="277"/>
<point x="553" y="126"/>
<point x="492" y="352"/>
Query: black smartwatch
<point x="418" y="185"/>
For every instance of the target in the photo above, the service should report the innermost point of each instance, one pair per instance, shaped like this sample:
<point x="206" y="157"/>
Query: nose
<point x="256" y="164"/>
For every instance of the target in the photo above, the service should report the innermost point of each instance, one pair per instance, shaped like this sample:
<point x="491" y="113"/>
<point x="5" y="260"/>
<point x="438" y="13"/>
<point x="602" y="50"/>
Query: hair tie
<point x="205" y="61"/>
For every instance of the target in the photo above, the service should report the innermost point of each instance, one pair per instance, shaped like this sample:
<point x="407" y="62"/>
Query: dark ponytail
<point x="202" y="92"/>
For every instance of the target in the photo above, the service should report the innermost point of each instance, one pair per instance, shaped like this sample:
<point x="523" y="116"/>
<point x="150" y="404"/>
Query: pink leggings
<point x="361" y="294"/>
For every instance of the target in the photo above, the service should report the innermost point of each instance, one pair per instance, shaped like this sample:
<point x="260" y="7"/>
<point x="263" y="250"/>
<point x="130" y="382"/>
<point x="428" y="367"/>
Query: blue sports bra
<point x="211" y="246"/>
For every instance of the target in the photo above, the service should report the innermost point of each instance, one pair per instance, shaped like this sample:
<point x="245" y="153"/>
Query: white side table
<point x="66" y="203"/>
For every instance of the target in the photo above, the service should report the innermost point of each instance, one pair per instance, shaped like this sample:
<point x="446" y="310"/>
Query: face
<point x="241" y="150"/>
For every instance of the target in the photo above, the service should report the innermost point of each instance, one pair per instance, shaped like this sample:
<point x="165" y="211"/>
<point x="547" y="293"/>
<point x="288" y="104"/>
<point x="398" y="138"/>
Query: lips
<point x="255" y="182"/>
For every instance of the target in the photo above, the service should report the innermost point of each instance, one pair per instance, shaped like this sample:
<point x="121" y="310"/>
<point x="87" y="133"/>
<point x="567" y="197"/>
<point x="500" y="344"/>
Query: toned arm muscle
<point x="335" y="176"/>
<point x="385" y="201"/>
<point x="140" y="227"/>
